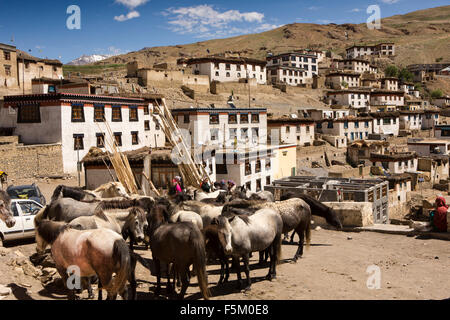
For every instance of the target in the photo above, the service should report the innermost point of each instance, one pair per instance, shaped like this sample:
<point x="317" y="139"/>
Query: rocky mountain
<point x="422" y="37"/>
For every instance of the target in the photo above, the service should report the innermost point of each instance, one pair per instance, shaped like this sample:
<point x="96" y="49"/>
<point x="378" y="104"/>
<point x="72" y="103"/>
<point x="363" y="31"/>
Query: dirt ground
<point x="334" y="268"/>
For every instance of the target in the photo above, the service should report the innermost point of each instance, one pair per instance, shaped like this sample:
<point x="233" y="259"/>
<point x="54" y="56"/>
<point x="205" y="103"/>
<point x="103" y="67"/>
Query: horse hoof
<point x="269" y="277"/>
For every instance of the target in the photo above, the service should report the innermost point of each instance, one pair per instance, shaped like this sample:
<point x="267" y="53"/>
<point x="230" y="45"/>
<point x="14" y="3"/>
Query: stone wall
<point x="241" y="88"/>
<point x="353" y="214"/>
<point x="25" y="162"/>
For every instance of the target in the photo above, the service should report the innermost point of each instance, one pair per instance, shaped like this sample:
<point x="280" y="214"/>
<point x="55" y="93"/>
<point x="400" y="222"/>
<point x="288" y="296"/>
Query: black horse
<point x="317" y="209"/>
<point x="74" y="193"/>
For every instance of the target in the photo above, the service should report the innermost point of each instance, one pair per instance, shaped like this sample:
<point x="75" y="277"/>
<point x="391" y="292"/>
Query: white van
<point x="24" y="212"/>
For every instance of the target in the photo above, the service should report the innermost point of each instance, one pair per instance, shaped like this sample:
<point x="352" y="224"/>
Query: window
<point x="258" y="185"/>
<point x="214" y="134"/>
<point x="134" y="114"/>
<point x="29" y="114"/>
<point x="232" y="119"/>
<point x="147" y="125"/>
<point x="7" y="70"/>
<point x="228" y="75"/>
<point x="100" y="140"/>
<point x="216" y="65"/>
<point x="214" y="119"/>
<point x="356" y="124"/>
<point x="118" y="138"/>
<point x="116" y="114"/>
<point x="288" y="130"/>
<point x="330" y="125"/>
<point x="217" y="73"/>
<point x="157" y="125"/>
<point x="244" y="133"/>
<point x="99" y="113"/>
<point x="255" y="134"/>
<point x="233" y="134"/>
<point x="146" y="110"/>
<point x="7" y="55"/>
<point x="346" y="125"/>
<point x="248" y="168"/>
<point x="255" y="118"/>
<point x="78" y="142"/>
<point x="268" y="181"/>
<point x="134" y="138"/>
<point x="77" y="113"/>
<point x="366" y="124"/>
<point x="227" y="66"/>
<point x="258" y="166"/>
<point x="238" y="67"/>
<point x="268" y="165"/>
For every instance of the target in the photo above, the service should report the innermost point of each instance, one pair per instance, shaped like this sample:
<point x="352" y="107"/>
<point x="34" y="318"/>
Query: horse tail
<point x="57" y="193"/>
<point x="200" y="261"/>
<point x="121" y="253"/>
<point x="308" y="233"/>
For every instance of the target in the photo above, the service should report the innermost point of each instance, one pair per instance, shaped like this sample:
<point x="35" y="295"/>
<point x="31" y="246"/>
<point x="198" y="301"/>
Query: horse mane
<point x="117" y="204"/>
<point x="69" y="192"/>
<point x="5" y="197"/>
<point x="244" y="218"/>
<point x="139" y="213"/>
<point x="51" y="230"/>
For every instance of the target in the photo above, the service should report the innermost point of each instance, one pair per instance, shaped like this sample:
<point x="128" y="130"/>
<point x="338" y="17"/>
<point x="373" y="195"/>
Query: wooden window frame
<point x="147" y="125"/>
<point x="102" y="144"/>
<point x="134" y="109"/>
<point x="133" y="135"/>
<point x="74" y="108"/>
<point x="96" y="109"/>
<point x="21" y="112"/>
<point x="75" y="137"/>
<point x="112" y="113"/>
<point x="118" y="134"/>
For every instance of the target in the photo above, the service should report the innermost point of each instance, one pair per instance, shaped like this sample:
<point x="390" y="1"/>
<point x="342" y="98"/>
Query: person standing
<point x="440" y="216"/>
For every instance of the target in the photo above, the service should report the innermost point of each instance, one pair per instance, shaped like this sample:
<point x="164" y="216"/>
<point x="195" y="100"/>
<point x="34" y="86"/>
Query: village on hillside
<point x="359" y="141"/>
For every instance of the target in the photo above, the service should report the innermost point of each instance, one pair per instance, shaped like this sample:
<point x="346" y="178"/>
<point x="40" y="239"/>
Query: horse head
<point x="333" y="219"/>
<point x="5" y="210"/>
<point x="225" y="232"/>
<point x="138" y="223"/>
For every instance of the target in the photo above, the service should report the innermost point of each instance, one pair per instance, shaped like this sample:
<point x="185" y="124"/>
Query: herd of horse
<point x="89" y="229"/>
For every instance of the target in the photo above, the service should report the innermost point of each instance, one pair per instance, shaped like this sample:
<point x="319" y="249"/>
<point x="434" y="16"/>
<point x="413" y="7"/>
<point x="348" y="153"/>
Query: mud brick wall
<point x="24" y="162"/>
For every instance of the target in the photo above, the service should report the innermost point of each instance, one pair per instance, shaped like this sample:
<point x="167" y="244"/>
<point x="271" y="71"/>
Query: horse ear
<point x="215" y="221"/>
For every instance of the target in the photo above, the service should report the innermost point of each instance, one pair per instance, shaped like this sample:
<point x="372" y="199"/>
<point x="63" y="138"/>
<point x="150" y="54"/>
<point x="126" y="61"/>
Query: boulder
<point x="5" y="291"/>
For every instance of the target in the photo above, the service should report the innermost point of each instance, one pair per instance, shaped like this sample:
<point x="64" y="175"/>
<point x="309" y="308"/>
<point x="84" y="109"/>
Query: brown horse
<point x="180" y="244"/>
<point x="5" y="210"/>
<point x="100" y="253"/>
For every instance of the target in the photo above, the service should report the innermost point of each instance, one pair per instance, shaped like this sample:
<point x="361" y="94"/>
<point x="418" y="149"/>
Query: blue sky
<point x="120" y="26"/>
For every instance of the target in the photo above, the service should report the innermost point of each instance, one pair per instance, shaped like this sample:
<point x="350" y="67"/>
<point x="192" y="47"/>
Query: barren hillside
<point x="422" y="36"/>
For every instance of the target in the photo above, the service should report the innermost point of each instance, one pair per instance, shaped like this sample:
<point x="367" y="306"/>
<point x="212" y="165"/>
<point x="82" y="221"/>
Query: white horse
<point x="110" y="190"/>
<point x="207" y="212"/>
<point x="242" y="235"/>
<point x="187" y="216"/>
<point x="200" y="195"/>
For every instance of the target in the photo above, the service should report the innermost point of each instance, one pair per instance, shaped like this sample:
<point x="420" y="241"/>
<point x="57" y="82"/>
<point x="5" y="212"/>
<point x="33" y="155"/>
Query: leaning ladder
<point x="192" y="173"/>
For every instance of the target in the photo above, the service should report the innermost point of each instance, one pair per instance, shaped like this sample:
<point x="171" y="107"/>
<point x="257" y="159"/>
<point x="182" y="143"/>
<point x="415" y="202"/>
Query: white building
<point x="354" y="65"/>
<point x="288" y="75"/>
<point x="411" y="120"/>
<point x="76" y="121"/>
<point x="387" y="123"/>
<point x="308" y="62"/>
<point x="353" y="98"/>
<point x="223" y="127"/>
<point x="321" y="114"/>
<point x="253" y="168"/>
<point x="389" y="83"/>
<point x="341" y="80"/>
<point x="352" y="128"/>
<point x="298" y="131"/>
<point x="381" y="50"/>
<point x="228" y="69"/>
<point x="430" y="119"/>
<point x="396" y="163"/>
<point x="386" y="97"/>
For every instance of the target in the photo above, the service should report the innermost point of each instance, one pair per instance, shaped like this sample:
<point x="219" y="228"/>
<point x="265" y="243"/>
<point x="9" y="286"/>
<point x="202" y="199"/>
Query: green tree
<point x="436" y="94"/>
<point x="405" y="76"/>
<point x="391" y="71"/>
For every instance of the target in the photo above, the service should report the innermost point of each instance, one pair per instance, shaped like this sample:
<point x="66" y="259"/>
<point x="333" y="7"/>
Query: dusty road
<point x="333" y="268"/>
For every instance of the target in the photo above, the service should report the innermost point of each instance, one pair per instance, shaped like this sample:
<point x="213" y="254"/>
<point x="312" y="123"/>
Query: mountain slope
<point x="422" y="37"/>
